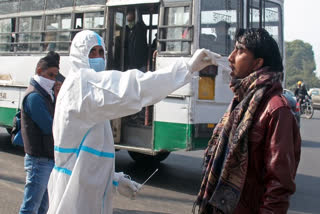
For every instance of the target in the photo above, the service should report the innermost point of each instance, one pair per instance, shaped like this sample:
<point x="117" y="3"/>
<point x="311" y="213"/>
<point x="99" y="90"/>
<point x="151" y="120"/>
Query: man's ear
<point x="38" y="71"/>
<point x="258" y="63"/>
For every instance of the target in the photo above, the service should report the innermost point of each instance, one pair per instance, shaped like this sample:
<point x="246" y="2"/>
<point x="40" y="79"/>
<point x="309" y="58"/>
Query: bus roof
<point x="111" y="3"/>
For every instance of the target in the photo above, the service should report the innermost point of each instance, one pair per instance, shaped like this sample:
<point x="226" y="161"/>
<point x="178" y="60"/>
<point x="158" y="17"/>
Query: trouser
<point x="35" y="200"/>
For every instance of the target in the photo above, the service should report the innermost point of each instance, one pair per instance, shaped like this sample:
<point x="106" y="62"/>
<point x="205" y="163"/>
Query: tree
<point x="300" y="65"/>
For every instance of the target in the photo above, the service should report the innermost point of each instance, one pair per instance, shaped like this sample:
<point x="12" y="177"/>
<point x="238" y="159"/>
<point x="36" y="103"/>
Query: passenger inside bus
<point x="136" y="48"/>
<point x="50" y="38"/>
<point x="223" y="41"/>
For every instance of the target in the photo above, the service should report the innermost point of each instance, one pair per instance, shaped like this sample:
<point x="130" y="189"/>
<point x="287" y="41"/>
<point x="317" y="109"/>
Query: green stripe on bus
<point x="199" y="143"/>
<point x="176" y="136"/>
<point x="6" y="116"/>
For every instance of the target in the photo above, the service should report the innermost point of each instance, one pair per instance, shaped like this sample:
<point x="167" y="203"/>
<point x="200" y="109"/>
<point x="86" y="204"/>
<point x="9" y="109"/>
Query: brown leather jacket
<point x="274" y="154"/>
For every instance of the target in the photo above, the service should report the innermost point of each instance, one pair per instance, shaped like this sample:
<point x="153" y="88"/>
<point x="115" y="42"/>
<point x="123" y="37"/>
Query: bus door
<point x="119" y="38"/>
<point x="116" y="23"/>
<point x="146" y="16"/>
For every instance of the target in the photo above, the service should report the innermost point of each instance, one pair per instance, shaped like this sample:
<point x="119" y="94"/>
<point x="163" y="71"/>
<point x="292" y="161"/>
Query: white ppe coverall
<point x="83" y="177"/>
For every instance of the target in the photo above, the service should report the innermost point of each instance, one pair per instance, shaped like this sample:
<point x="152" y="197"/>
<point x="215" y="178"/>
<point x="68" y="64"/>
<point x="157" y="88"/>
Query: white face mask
<point x="45" y="83"/>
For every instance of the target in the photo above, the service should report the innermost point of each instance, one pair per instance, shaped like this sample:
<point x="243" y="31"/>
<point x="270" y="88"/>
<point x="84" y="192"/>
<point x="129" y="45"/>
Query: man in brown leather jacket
<point x="252" y="157"/>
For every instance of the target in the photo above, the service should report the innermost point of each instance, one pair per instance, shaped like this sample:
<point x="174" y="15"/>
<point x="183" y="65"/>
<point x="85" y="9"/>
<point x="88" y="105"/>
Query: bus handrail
<point x="51" y="31"/>
<point x="175" y="26"/>
<point x="175" y="40"/>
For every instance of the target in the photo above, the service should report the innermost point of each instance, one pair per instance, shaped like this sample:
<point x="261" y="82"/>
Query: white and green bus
<point x="184" y="120"/>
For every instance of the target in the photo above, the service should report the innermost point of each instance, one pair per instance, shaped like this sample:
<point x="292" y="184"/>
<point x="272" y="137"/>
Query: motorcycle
<point x="305" y="106"/>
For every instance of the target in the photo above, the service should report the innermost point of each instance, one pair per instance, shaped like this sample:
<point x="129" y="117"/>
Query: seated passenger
<point x="223" y="42"/>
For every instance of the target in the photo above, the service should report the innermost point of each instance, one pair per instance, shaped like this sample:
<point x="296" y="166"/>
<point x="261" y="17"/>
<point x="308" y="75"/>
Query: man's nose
<point x="231" y="56"/>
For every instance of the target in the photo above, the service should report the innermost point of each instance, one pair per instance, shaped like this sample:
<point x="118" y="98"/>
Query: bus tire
<point x="143" y="158"/>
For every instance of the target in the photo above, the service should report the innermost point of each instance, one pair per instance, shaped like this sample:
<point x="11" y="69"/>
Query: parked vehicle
<point x="289" y="95"/>
<point x="315" y="97"/>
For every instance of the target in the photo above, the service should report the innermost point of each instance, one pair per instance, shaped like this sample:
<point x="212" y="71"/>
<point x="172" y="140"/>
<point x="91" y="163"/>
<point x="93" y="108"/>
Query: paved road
<point x="174" y="187"/>
<point x="307" y="197"/>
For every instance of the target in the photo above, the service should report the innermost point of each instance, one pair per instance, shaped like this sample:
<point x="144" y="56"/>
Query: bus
<point x="185" y="119"/>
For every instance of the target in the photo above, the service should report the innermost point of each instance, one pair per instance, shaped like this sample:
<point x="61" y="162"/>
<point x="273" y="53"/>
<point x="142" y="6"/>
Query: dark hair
<point x="54" y="55"/>
<point x="51" y="60"/>
<point x="131" y="10"/>
<point x="262" y="45"/>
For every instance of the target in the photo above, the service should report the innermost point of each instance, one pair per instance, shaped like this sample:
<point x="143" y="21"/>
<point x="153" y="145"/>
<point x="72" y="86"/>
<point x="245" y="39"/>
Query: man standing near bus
<point x="252" y="157"/>
<point x="36" y="127"/>
<point x="83" y="178"/>
<point x="136" y="47"/>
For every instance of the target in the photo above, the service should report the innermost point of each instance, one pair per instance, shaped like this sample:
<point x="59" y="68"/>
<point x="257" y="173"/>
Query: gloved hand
<point x="201" y="59"/>
<point x="127" y="187"/>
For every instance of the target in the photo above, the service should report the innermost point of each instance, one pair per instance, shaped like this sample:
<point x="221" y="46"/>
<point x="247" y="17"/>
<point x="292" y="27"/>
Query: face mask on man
<point x="45" y="83"/>
<point x="97" y="64"/>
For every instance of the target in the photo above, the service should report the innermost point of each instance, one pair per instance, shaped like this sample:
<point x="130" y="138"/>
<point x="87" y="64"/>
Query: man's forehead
<point x="97" y="48"/>
<point x="53" y="70"/>
<point x="240" y="45"/>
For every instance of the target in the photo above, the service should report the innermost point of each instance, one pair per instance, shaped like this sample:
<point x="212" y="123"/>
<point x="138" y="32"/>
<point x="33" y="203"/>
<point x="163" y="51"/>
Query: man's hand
<point x="127" y="187"/>
<point x="201" y="59"/>
<point x="56" y="88"/>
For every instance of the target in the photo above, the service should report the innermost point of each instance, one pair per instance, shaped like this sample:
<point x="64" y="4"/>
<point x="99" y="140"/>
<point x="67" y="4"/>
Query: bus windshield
<point x="219" y="22"/>
<point x="267" y="15"/>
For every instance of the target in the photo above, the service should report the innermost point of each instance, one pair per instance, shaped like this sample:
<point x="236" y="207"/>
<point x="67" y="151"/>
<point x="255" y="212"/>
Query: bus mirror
<point x="209" y="71"/>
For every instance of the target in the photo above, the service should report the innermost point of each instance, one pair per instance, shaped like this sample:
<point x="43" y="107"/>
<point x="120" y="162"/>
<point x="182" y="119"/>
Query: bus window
<point x="267" y="15"/>
<point x="77" y="25"/>
<point x="5" y="35"/>
<point x="272" y="21"/>
<point x="29" y="34"/>
<point x="7" y="7"/>
<point x="254" y="14"/>
<point x="175" y="31"/>
<point x="219" y="22"/>
<point x="56" y="4"/>
<point x="115" y="49"/>
<point x="131" y="32"/>
<point x="146" y="20"/>
<point x="89" y="2"/>
<point x="57" y="36"/>
<point x="31" y="5"/>
<point x="94" y="21"/>
<point x="151" y="21"/>
<point x="78" y="21"/>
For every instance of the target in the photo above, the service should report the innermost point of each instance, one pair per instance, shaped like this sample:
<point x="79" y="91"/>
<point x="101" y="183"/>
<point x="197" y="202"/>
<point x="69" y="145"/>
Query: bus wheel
<point x="143" y="158"/>
<point x="9" y="130"/>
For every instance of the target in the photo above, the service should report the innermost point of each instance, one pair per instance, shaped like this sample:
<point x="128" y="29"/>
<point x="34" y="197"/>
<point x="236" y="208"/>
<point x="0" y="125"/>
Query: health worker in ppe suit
<point x="83" y="177"/>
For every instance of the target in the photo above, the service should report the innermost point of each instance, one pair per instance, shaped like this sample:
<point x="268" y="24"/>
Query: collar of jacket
<point x="40" y="89"/>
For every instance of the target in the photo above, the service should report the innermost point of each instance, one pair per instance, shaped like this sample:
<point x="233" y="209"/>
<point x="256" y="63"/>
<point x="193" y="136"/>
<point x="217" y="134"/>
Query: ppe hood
<point x="81" y="45"/>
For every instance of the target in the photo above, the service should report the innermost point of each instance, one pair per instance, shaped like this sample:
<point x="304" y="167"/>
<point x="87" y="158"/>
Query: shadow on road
<point x="313" y="118"/>
<point x="6" y="146"/>
<point x="178" y="173"/>
<point x="309" y="187"/>
<point x="164" y="198"/>
<point x="310" y="144"/>
<point x="121" y="211"/>
<point x="16" y="180"/>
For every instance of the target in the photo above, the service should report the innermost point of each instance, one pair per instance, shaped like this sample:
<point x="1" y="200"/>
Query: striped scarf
<point x="226" y="157"/>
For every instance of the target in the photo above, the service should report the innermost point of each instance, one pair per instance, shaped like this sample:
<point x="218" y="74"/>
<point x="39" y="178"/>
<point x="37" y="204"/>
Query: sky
<point x="302" y="21"/>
